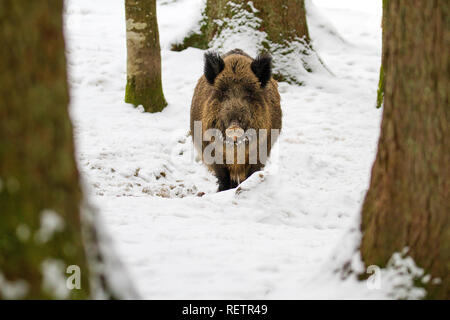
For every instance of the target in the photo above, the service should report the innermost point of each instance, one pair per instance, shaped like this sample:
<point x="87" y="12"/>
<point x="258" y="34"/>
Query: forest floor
<point x="290" y="227"/>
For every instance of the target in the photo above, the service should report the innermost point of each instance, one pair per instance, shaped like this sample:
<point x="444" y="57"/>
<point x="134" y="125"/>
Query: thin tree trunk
<point x="42" y="230"/>
<point x="407" y="204"/>
<point x="144" y="85"/>
<point x="40" y="226"/>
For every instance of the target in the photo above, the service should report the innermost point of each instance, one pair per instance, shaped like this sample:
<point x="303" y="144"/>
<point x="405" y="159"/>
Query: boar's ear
<point x="262" y="68"/>
<point x="213" y="66"/>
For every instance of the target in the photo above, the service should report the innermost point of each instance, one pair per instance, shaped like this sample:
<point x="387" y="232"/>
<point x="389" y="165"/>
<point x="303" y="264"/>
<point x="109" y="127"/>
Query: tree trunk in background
<point x="144" y="85"/>
<point x="40" y="225"/>
<point x="407" y="204"/>
<point x="278" y="26"/>
<point x="42" y="230"/>
<point x="282" y="20"/>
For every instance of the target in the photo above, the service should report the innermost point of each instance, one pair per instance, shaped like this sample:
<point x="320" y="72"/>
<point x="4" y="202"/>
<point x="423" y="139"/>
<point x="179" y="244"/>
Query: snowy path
<point x="277" y="234"/>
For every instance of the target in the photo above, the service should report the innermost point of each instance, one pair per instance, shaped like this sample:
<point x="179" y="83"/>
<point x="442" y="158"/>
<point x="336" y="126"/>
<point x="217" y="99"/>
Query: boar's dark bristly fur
<point x="213" y="66"/>
<point x="261" y="68"/>
<point x="236" y="91"/>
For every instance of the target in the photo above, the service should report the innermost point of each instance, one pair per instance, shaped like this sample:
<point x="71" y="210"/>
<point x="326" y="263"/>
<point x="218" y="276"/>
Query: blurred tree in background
<point x="407" y="204"/>
<point x="41" y="227"/>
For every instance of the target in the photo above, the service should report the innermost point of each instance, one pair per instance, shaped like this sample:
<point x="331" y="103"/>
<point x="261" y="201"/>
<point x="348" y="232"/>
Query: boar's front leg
<point x="223" y="175"/>
<point x="252" y="169"/>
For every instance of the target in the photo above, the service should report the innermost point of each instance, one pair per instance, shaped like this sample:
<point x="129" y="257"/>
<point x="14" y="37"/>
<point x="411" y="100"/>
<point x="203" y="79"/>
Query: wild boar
<point x="236" y="96"/>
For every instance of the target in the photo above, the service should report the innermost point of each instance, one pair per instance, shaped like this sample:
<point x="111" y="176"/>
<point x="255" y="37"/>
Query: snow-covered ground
<point x="277" y="236"/>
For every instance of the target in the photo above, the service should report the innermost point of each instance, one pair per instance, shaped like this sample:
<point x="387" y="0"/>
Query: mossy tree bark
<point x="407" y="204"/>
<point x="39" y="192"/>
<point x="278" y="26"/>
<point x="282" y="20"/>
<point x="42" y="231"/>
<point x="144" y="85"/>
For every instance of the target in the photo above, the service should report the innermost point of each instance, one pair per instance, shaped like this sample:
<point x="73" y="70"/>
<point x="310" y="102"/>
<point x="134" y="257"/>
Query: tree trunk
<point x="39" y="192"/>
<point x="276" y="26"/>
<point x="407" y="204"/>
<point x="144" y="85"/>
<point x="282" y="20"/>
<point x="42" y="231"/>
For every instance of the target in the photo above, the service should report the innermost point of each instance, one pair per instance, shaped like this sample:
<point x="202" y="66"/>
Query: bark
<point x="39" y="180"/>
<point x="407" y="204"/>
<point x="380" y="91"/>
<point x="283" y="22"/>
<point x="144" y="85"/>
<point x="42" y="228"/>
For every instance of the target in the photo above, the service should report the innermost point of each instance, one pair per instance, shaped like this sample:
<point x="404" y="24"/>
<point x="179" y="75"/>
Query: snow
<point x="284" y="231"/>
<point x="13" y="289"/>
<point x="23" y="232"/>
<point x="51" y="222"/>
<point x="244" y="31"/>
<point x="54" y="278"/>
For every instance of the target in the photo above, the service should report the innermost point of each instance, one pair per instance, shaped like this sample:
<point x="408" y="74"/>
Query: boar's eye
<point x="250" y="98"/>
<point x="221" y="91"/>
<point x="220" y="94"/>
<point x="249" y="94"/>
<point x="223" y="88"/>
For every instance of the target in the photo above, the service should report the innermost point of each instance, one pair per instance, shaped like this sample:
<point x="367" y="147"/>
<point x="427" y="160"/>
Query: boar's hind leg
<point x="223" y="175"/>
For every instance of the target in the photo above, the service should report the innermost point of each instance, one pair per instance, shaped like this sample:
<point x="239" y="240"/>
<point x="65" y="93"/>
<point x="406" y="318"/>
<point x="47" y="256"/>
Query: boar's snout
<point x="234" y="131"/>
<point x="235" y="117"/>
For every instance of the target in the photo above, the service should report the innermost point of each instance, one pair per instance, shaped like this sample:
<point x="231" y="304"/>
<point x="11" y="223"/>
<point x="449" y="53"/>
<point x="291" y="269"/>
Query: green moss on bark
<point x="144" y="85"/>
<point x="278" y="27"/>
<point x="380" y="91"/>
<point x="194" y="40"/>
<point x="38" y="174"/>
<point x="407" y="201"/>
<point x="283" y="21"/>
<point x="150" y="97"/>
